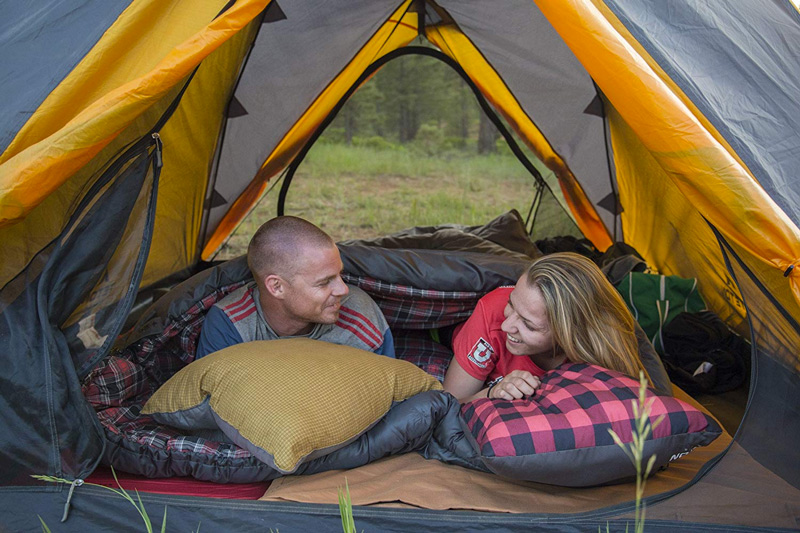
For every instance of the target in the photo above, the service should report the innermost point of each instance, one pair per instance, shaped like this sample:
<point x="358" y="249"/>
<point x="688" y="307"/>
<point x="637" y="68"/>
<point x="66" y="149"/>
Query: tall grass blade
<point x="346" y="510"/>
<point x="44" y="526"/>
<point x="142" y="512"/>
<point x="642" y="429"/>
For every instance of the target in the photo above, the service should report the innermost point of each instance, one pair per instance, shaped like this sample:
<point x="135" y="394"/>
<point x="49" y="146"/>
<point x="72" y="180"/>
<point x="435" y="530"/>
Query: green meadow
<point x="361" y="191"/>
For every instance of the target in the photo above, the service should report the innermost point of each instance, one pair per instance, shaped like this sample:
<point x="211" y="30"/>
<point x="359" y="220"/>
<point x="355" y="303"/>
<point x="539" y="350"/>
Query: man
<point x="298" y="292"/>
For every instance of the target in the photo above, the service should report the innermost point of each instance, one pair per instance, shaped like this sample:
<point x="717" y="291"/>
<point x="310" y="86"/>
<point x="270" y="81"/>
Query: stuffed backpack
<point x="702" y="355"/>
<point x="654" y="300"/>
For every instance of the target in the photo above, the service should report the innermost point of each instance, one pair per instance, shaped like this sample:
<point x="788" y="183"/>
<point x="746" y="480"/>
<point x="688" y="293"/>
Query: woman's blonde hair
<point x="588" y="318"/>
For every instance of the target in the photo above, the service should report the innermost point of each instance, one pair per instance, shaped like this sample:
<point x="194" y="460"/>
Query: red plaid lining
<point x="120" y="385"/>
<point x="186" y="329"/>
<point x="411" y="312"/>
<point x="574" y="408"/>
<point x="410" y="308"/>
<point x="417" y="347"/>
<point x="114" y="382"/>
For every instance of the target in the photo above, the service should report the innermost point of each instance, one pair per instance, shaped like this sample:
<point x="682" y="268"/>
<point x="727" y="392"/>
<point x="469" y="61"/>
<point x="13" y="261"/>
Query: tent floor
<point x="728" y="407"/>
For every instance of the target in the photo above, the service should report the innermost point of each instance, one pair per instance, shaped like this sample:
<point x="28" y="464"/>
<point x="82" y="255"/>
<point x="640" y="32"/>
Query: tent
<point x="136" y="134"/>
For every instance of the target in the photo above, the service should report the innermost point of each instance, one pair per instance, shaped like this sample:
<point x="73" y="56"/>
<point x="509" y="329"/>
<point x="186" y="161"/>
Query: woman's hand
<point x="515" y="385"/>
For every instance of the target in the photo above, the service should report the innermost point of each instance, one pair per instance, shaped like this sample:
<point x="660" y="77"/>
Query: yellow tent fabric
<point x="83" y="115"/>
<point x="190" y="138"/>
<point x="652" y="123"/>
<point x="704" y="171"/>
<point x="30" y="174"/>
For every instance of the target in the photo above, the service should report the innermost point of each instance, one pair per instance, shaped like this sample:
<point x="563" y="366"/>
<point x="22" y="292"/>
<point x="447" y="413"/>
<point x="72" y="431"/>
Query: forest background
<point x="410" y="148"/>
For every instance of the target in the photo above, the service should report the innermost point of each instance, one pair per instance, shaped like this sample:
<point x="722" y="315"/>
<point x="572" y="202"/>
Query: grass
<point x="635" y="449"/>
<point x="346" y="510"/>
<point x="355" y="192"/>
<point x="345" y="506"/>
<point x="137" y="503"/>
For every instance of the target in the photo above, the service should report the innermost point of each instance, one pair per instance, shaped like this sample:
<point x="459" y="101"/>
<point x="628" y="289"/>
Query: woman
<point x="562" y="309"/>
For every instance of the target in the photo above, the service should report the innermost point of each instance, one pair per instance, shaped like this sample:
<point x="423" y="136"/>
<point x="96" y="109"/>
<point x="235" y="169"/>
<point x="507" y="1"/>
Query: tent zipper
<point x="153" y="140"/>
<point x="77" y="483"/>
<point x="159" y="147"/>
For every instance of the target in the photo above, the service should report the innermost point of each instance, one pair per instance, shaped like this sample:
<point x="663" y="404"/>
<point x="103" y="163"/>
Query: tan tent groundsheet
<point x="429" y="484"/>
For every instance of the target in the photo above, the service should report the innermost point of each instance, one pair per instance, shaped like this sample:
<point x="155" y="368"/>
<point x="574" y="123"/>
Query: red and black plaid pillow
<point x="560" y="434"/>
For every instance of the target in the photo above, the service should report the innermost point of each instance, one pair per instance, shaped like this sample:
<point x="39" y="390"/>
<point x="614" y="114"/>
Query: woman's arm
<point x="461" y="385"/>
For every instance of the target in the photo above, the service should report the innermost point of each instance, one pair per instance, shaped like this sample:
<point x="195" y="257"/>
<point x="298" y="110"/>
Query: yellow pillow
<point x="287" y="401"/>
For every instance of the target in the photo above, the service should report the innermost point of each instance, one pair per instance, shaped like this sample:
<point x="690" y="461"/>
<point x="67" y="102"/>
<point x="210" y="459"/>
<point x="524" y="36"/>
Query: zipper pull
<point x="159" y="147"/>
<point x="77" y="483"/>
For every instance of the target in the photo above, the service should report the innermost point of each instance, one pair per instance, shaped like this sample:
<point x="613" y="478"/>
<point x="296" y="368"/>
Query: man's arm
<point x="387" y="348"/>
<point x="361" y="316"/>
<point x="217" y="333"/>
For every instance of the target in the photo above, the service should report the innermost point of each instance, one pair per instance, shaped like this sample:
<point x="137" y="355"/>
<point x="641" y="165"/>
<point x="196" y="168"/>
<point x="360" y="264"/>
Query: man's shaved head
<point x="276" y="246"/>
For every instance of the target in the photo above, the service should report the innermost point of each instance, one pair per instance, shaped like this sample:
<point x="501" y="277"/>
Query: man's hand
<point x="515" y="385"/>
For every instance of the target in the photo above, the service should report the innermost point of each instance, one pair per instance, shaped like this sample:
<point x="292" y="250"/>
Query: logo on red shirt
<point x="481" y="353"/>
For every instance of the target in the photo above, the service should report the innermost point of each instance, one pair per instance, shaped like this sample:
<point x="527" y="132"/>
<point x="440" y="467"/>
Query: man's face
<point x="315" y="291"/>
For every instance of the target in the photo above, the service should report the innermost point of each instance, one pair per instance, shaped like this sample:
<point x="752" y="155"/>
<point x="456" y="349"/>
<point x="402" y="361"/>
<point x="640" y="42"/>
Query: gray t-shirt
<point x="239" y="318"/>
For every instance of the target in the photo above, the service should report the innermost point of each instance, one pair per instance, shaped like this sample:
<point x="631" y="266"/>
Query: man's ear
<point x="275" y="286"/>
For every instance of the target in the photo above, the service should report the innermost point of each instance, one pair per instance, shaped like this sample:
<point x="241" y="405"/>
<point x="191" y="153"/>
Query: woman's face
<point x="526" y="326"/>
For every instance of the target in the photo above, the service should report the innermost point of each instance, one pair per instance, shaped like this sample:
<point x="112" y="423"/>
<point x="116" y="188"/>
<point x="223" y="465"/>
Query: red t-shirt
<point x="480" y="345"/>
